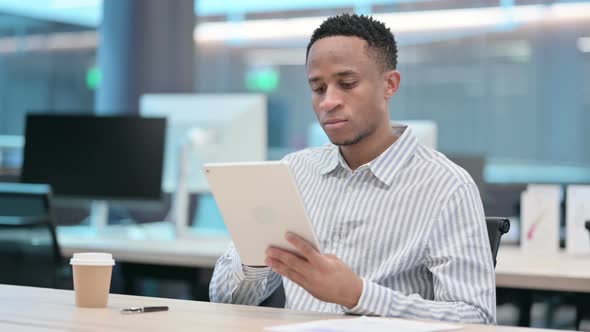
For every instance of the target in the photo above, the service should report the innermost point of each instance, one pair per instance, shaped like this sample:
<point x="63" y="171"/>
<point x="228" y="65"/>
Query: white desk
<point x="557" y="272"/>
<point x="39" y="309"/>
<point x="153" y="243"/>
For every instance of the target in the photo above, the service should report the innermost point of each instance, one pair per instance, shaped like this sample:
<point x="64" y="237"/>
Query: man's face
<point x="349" y="89"/>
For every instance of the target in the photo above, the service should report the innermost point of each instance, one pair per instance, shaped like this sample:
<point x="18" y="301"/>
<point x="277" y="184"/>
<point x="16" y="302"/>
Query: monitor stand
<point x="99" y="215"/>
<point x="180" y="205"/>
<point x="196" y="139"/>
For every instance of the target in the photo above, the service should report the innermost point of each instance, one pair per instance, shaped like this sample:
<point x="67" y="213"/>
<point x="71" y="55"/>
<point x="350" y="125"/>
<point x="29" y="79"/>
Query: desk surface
<point x="556" y="272"/>
<point x="153" y="243"/>
<point x="156" y="244"/>
<point x="39" y="309"/>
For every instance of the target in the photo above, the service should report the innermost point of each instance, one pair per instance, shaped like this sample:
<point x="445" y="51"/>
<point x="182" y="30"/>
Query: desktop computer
<point x="205" y="128"/>
<point x="97" y="158"/>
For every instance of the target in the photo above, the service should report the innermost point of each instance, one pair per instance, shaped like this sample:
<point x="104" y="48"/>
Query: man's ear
<point x="392" y="81"/>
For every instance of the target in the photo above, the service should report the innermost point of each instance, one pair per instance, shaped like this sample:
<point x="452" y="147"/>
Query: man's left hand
<point x="325" y="277"/>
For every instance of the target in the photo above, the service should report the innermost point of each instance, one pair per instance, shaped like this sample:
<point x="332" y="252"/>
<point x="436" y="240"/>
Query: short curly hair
<point x="380" y="40"/>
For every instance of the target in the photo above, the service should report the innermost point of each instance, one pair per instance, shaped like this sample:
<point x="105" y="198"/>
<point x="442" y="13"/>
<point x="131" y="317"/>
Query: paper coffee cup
<point x="92" y="278"/>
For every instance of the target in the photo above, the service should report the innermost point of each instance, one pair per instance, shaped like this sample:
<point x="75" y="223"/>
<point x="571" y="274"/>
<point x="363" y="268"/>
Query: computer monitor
<point x="426" y="132"/>
<point x="205" y="128"/>
<point x="95" y="157"/>
<point x="232" y="128"/>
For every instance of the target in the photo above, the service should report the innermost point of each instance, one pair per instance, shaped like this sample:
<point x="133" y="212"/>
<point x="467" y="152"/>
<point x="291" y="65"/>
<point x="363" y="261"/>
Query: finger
<point x="305" y="248"/>
<point x="284" y="270"/>
<point x="299" y="264"/>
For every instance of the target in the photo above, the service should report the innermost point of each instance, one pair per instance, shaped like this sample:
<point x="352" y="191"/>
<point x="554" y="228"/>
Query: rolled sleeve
<point x="255" y="273"/>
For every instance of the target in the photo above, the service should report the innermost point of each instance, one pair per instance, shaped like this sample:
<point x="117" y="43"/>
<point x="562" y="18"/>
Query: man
<point x="401" y="228"/>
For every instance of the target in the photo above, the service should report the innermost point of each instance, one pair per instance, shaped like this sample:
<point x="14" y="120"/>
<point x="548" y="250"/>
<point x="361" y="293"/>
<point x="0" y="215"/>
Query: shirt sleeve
<point x="235" y="283"/>
<point x="458" y="255"/>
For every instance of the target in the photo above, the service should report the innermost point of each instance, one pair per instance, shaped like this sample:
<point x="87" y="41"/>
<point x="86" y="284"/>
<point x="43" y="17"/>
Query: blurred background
<point x="505" y="82"/>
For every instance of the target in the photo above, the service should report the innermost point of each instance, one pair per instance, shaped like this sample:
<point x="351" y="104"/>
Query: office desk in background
<point x="40" y="309"/>
<point x="151" y="251"/>
<point x="552" y="272"/>
<point x="156" y="244"/>
<point x="151" y="243"/>
<point x="523" y="278"/>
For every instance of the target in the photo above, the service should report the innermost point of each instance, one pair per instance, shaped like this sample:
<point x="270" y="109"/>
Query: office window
<point x="43" y="65"/>
<point x="514" y="92"/>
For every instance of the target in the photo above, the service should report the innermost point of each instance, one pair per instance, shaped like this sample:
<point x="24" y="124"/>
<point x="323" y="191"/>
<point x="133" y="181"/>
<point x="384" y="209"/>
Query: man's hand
<point x="325" y="277"/>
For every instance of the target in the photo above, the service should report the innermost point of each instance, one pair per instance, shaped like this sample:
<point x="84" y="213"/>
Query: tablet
<point x="260" y="203"/>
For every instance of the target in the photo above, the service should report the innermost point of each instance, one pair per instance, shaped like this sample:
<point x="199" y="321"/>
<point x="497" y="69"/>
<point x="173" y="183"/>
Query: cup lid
<point x="92" y="258"/>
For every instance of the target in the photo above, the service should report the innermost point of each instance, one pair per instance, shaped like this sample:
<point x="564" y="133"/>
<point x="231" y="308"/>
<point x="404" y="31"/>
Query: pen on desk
<point x="137" y="310"/>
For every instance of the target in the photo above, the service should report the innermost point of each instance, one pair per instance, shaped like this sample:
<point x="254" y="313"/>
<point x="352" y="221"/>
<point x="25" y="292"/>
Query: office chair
<point x="29" y="252"/>
<point x="29" y="249"/>
<point x="588" y="225"/>
<point x="497" y="226"/>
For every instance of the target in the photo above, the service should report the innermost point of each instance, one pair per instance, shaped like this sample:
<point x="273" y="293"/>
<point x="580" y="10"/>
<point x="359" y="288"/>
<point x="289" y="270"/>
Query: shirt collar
<point x="386" y="165"/>
<point x="333" y="160"/>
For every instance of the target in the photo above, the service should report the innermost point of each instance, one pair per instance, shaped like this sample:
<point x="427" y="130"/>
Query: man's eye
<point x="348" y="85"/>
<point x="318" y="90"/>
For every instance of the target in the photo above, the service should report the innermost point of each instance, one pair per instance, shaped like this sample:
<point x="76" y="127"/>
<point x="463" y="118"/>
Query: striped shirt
<point x="410" y="223"/>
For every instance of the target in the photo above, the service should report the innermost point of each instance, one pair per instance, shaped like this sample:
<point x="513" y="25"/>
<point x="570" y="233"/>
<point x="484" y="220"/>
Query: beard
<point x="352" y="141"/>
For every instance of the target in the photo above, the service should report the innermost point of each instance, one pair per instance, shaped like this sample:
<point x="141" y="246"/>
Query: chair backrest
<point x="24" y="200"/>
<point x="29" y="252"/>
<point x="29" y="249"/>
<point x="588" y="225"/>
<point x="276" y="299"/>
<point x="497" y="226"/>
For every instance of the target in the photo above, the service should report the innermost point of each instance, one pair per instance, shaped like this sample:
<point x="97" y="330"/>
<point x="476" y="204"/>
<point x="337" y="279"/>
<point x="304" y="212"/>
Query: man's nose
<point x="331" y="100"/>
